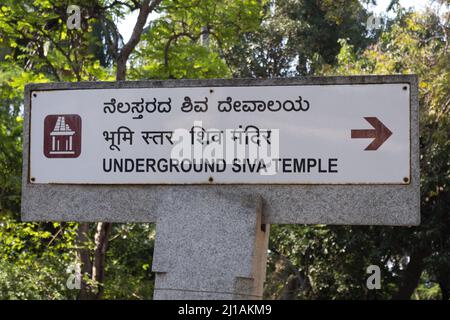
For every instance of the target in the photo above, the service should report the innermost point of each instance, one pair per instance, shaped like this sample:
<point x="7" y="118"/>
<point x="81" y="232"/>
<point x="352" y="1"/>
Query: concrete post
<point x="211" y="249"/>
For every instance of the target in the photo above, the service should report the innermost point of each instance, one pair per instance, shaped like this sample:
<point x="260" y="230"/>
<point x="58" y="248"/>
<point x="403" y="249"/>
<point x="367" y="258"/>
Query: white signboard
<point x="309" y="134"/>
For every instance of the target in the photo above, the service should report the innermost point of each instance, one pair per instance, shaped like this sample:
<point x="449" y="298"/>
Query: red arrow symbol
<point x="379" y="134"/>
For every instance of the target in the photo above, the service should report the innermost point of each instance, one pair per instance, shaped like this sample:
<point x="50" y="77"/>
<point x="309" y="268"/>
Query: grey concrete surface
<point x="214" y="248"/>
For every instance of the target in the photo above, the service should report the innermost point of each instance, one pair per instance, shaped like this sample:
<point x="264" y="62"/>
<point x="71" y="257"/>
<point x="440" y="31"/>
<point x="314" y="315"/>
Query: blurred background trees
<point x="214" y="39"/>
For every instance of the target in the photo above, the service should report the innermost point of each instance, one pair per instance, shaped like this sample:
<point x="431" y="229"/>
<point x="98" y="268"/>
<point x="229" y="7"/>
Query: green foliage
<point x="427" y="289"/>
<point x="34" y="35"/>
<point x="298" y="36"/>
<point x="34" y="258"/>
<point x="330" y="262"/>
<point x="130" y="254"/>
<point x="12" y="81"/>
<point x="188" y="38"/>
<point x="327" y="262"/>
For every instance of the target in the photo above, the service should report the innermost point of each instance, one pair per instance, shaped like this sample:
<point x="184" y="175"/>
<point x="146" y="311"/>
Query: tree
<point x="189" y="38"/>
<point x="297" y="37"/>
<point x="330" y="262"/>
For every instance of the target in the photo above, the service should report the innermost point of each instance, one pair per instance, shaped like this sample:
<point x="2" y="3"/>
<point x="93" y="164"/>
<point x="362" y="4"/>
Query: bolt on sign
<point x="261" y="136"/>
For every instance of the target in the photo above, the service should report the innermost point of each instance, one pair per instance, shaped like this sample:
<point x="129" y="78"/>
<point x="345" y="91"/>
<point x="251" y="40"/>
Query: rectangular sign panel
<point x="286" y="134"/>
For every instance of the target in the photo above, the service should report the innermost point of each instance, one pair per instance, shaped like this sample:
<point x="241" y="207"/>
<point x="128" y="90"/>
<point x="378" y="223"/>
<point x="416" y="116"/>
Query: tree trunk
<point x="291" y="288"/>
<point x="101" y="246"/>
<point x="411" y="276"/>
<point x="121" y="69"/>
<point x="443" y="278"/>
<point x="147" y="7"/>
<point x="445" y="290"/>
<point x="93" y="267"/>
<point x="85" y="292"/>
